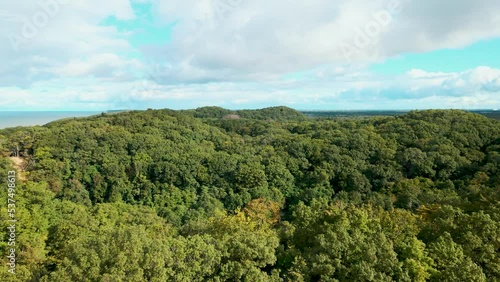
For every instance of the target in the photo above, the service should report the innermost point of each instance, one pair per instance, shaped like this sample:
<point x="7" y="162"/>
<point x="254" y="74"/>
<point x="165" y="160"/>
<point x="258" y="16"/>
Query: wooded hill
<point x="269" y="195"/>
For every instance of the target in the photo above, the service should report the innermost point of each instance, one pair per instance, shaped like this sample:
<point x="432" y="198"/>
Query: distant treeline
<point x="336" y="114"/>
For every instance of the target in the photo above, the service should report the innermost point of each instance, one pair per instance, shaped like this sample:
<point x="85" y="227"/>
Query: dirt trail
<point x="19" y="166"/>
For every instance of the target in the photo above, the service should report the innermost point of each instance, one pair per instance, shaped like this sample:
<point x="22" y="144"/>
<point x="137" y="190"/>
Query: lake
<point x="13" y="119"/>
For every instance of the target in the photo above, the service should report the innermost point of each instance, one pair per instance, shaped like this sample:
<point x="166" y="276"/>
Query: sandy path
<point x="19" y="165"/>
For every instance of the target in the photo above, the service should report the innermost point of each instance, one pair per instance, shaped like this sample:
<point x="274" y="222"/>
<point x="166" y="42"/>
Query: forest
<point x="254" y="195"/>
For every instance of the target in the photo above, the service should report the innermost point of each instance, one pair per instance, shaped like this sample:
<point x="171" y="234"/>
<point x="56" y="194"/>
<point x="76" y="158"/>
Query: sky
<point x="90" y="55"/>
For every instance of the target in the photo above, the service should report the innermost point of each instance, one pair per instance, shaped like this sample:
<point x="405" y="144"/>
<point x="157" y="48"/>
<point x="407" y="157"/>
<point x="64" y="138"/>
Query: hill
<point x="270" y="114"/>
<point x="163" y="195"/>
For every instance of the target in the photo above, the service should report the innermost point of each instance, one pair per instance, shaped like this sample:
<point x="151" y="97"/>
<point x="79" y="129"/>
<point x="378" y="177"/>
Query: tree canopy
<point x="273" y="195"/>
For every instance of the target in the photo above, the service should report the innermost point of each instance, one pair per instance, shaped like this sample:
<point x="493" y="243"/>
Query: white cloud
<point x="416" y="73"/>
<point x="475" y="88"/>
<point x="70" y="32"/>
<point x="242" y="53"/>
<point x="252" y="38"/>
<point x="99" y="65"/>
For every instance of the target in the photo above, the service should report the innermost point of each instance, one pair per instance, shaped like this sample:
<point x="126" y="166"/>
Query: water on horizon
<point x="14" y="118"/>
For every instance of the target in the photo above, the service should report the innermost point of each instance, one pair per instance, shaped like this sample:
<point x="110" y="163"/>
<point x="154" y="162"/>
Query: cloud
<point x="70" y="31"/>
<point x="260" y="38"/>
<point x="471" y="89"/>
<point x="239" y="53"/>
<point x="100" y="65"/>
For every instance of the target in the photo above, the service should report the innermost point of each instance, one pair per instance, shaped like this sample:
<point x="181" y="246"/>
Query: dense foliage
<point x="263" y="195"/>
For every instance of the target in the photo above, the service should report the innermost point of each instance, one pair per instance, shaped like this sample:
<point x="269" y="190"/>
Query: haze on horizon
<point x="316" y="55"/>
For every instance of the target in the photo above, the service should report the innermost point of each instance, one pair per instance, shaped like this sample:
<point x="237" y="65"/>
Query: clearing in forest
<point x="19" y="166"/>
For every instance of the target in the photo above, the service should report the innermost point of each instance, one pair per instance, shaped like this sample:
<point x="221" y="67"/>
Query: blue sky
<point x="481" y="53"/>
<point x="320" y="54"/>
